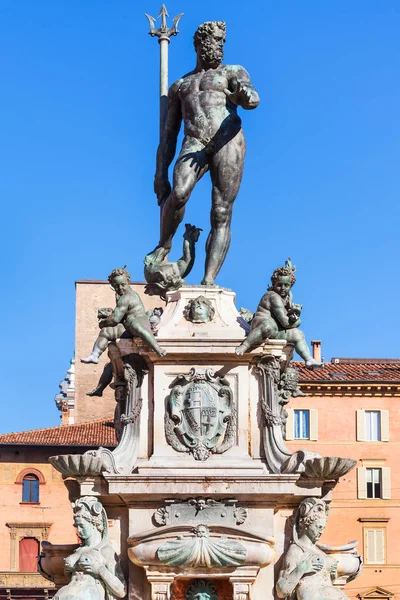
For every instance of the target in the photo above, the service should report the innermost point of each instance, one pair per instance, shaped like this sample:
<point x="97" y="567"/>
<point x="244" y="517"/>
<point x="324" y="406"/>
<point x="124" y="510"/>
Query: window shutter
<point x="290" y="424"/>
<point x="370" y="546"/>
<point x="379" y="546"/>
<point x="360" y="425"/>
<point x="385" y="483"/>
<point x="361" y="482"/>
<point x="313" y="423"/>
<point x="384" y="425"/>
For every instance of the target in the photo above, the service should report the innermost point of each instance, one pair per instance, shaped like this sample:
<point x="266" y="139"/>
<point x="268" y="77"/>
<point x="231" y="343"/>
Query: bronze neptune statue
<point x="206" y="99"/>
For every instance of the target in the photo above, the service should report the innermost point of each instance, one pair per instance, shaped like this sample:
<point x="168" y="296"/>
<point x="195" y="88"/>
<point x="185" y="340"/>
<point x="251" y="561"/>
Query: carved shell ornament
<point x="201" y="550"/>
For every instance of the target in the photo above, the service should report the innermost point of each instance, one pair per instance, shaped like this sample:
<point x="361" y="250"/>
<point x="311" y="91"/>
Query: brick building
<point x="351" y="410"/>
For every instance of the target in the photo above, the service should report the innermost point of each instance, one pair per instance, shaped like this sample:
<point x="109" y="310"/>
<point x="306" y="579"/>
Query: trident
<point x="164" y="34"/>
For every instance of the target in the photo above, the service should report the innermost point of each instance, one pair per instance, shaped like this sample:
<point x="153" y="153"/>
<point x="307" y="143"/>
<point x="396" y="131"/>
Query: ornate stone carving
<point x="200" y="510"/>
<point x="199" y="310"/>
<point x="202" y="589"/>
<point x="306" y="566"/>
<point x="128" y="373"/>
<point x="93" y="569"/>
<point x="328" y="467"/>
<point x="201" y="550"/>
<point x="200" y="415"/>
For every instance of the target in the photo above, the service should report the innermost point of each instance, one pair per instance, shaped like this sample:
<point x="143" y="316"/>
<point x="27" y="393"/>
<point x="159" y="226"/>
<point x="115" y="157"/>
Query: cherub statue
<point x="278" y="317"/>
<point x="129" y="315"/>
<point x="308" y="572"/>
<point x="161" y="275"/>
<point x="93" y="570"/>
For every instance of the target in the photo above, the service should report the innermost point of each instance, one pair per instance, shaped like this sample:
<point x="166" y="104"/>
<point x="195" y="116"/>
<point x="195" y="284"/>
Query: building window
<point x="373" y="425"/>
<point x="375" y="546"/>
<point x="30" y="488"/>
<point x="301" y="424"/>
<point x="374" y="483"/>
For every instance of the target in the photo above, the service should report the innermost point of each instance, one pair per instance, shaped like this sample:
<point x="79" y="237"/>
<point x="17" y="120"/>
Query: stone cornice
<point x="355" y="388"/>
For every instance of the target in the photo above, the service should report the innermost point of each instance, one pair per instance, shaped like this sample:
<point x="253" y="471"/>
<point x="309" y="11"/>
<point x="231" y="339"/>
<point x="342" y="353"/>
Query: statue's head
<point x="209" y="41"/>
<point x="199" y="310"/>
<point x="311" y="518"/>
<point x="283" y="279"/>
<point x="119" y="280"/>
<point x="201" y="531"/>
<point x="89" y="514"/>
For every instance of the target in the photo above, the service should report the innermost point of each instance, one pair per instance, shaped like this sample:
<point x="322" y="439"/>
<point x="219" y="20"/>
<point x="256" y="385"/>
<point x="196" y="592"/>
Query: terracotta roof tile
<point x="94" y="433"/>
<point x="342" y="372"/>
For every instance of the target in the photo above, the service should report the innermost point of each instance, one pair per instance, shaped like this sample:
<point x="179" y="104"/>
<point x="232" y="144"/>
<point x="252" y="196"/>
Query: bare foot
<point x="96" y="392"/>
<point x="240" y="350"/>
<point x="161" y="352"/>
<point x="92" y="358"/>
<point x="311" y="363"/>
<point x="208" y="282"/>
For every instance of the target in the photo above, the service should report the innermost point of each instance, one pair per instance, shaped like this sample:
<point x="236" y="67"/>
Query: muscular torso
<point x="204" y="104"/>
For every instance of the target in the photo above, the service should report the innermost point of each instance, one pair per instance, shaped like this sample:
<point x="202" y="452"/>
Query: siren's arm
<point x="112" y="575"/>
<point x="293" y="570"/>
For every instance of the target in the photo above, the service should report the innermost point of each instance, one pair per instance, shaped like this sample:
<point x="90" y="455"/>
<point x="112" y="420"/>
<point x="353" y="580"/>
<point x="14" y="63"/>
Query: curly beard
<point x="211" y="54"/>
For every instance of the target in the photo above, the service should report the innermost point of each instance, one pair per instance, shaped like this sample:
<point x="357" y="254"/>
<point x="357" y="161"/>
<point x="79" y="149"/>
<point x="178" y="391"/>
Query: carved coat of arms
<point x="200" y="416"/>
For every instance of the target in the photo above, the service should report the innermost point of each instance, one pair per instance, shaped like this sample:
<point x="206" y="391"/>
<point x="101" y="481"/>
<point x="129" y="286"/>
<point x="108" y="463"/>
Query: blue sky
<point x="79" y="124"/>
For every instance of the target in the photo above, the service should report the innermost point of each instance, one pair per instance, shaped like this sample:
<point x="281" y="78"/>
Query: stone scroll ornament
<point x="309" y="570"/>
<point x="93" y="570"/>
<point x="201" y="550"/>
<point x="127" y="373"/>
<point x="200" y="415"/>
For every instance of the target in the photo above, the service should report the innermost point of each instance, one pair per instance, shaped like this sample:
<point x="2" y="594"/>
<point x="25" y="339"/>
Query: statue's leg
<point x="190" y="166"/>
<point x="105" y="380"/>
<point x="143" y="331"/>
<point x="107" y="334"/>
<point x="296" y="336"/>
<point x="226" y="173"/>
<point x="260" y="332"/>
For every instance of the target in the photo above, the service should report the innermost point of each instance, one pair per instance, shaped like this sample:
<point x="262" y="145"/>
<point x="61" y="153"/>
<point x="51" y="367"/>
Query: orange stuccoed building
<point x="351" y="409"/>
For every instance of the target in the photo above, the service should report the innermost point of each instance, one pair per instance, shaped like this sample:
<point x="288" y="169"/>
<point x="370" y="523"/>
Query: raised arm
<point x="111" y="573"/>
<point x="241" y="91"/>
<point x="167" y="146"/>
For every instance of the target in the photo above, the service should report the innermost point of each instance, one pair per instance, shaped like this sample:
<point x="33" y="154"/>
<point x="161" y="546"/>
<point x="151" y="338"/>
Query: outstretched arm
<point x="241" y="91"/>
<point x="167" y="146"/>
